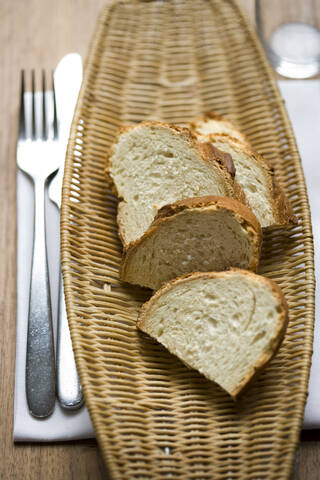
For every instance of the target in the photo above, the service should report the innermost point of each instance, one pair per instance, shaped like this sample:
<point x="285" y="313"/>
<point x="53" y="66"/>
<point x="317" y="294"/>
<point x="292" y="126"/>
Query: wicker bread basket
<point x="154" y="418"/>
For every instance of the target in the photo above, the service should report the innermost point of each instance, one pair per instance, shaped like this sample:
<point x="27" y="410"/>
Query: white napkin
<point x="302" y="99"/>
<point x="61" y="425"/>
<point x="303" y="104"/>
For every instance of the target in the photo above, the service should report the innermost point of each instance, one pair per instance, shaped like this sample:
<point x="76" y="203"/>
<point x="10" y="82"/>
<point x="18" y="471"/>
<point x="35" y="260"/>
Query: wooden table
<point x="36" y="34"/>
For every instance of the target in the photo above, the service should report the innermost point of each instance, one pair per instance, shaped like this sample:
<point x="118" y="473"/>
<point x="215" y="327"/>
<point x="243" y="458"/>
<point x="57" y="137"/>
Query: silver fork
<point x="38" y="157"/>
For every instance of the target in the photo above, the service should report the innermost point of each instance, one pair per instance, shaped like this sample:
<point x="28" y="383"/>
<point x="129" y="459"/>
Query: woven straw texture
<point x="154" y="418"/>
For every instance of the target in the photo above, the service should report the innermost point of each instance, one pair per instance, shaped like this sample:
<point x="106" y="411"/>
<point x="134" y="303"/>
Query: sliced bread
<point x="258" y="181"/>
<point x="197" y="234"/>
<point x="211" y="123"/>
<point x="227" y="325"/>
<point x="153" y="164"/>
<point x="256" y="177"/>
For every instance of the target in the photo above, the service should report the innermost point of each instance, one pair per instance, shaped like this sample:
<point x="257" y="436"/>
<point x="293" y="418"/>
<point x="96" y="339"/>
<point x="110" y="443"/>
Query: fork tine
<point x="22" y="120"/>
<point x="44" y="110"/>
<point x="55" y="118"/>
<point x="33" y="108"/>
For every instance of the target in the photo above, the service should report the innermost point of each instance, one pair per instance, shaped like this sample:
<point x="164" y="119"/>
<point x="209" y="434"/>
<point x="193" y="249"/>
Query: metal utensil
<point x="37" y="156"/>
<point x="67" y="78"/>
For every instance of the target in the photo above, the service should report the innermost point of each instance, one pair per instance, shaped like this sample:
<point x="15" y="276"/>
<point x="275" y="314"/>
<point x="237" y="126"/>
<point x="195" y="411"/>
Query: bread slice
<point x="211" y="123"/>
<point x="254" y="174"/>
<point x="197" y="234"/>
<point x="153" y="164"/>
<point x="227" y="325"/>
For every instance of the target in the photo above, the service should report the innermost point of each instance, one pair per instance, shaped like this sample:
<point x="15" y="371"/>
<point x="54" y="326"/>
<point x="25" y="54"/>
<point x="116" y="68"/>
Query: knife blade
<point x="67" y="80"/>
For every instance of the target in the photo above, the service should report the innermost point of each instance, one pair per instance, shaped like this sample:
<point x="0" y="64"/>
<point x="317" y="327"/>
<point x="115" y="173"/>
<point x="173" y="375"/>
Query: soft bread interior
<point x="152" y="167"/>
<point x="225" y="327"/>
<point x="254" y="177"/>
<point x="207" y="126"/>
<point x="253" y="173"/>
<point x="197" y="239"/>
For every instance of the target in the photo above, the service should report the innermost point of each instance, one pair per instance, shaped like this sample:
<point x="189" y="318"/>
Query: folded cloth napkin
<point x="62" y="424"/>
<point x="302" y="99"/>
<point x="303" y="104"/>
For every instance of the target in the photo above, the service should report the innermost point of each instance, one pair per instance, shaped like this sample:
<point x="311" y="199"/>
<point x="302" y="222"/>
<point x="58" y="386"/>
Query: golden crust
<point x="223" y="158"/>
<point x="121" y="227"/>
<point x="244" y="215"/>
<point x="211" y="155"/>
<point x="189" y="136"/>
<point x="240" y="195"/>
<point x="282" y="209"/>
<point x="207" y="152"/>
<point x="227" y="203"/>
<point x="282" y="204"/>
<point x="220" y="137"/>
<point x="214" y="116"/>
<point x="275" y="341"/>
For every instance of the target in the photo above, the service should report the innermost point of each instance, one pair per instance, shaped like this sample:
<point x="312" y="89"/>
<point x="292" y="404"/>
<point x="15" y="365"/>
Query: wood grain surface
<point x="36" y="34"/>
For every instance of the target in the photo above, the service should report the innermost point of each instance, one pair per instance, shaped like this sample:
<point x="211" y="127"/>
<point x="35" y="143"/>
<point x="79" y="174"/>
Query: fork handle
<point x="69" y="390"/>
<point x="40" y="365"/>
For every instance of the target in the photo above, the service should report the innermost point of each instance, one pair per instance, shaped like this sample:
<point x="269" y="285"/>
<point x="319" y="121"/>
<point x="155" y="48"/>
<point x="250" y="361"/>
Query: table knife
<point x="67" y="80"/>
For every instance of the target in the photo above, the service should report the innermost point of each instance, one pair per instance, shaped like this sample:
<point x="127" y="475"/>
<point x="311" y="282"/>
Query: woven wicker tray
<point x="154" y="418"/>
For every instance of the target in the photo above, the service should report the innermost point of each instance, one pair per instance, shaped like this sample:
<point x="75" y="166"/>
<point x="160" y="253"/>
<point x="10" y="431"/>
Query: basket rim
<point x="89" y="71"/>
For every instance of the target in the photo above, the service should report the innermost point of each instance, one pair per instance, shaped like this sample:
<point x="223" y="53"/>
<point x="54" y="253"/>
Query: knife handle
<point x="69" y="390"/>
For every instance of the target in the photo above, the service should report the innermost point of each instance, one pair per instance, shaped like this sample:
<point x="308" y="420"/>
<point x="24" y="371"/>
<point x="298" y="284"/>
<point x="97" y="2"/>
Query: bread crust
<point x="207" y="201"/>
<point x="223" y="158"/>
<point x="282" y="204"/>
<point x="282" y="209"/>
<point x="121" y="226"/>
<point x="279" y="331"/>
<point x="240" y="199"/>
<point x="208" y="153"/>
<point x="214" y="116"/>
<point x="244" y="215"/>
<point x="127" y="128"/>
